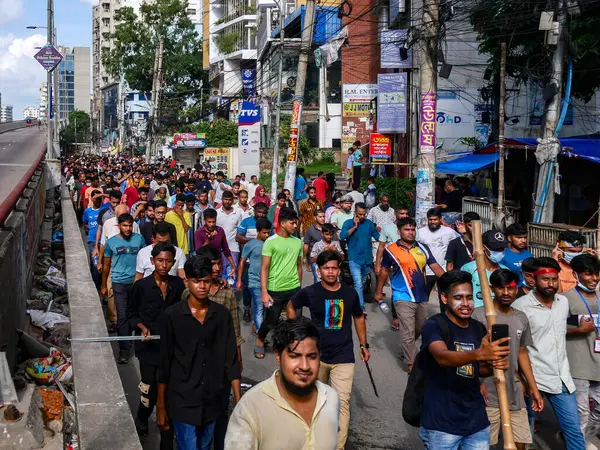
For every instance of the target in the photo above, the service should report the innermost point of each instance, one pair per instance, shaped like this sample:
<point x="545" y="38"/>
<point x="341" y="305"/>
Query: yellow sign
<point x="356" y="110"/>
<point x="219" y="159"/>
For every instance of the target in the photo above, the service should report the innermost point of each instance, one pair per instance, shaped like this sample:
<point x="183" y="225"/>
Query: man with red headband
<point x="547" y="312"/>
<point x="504" y="285"/>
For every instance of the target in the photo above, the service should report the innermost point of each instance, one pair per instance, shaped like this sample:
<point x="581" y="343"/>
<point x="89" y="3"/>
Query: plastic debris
<point x="41" y="295"/>
<point x="54" y="367"/>
<point x="45" y="319"/>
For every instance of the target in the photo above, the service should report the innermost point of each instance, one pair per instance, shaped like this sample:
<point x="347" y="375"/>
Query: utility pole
<point x="154" y="103"/>
<point x="425" y="198"/>
<point x="294" y="141"/>
<point x="501" y="125"/>
<point x="275" y="172"/>
<point x="49" y="38"/>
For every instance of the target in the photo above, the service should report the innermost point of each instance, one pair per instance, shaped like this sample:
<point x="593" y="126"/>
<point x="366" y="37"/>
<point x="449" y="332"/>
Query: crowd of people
<point x="172" y="249"/>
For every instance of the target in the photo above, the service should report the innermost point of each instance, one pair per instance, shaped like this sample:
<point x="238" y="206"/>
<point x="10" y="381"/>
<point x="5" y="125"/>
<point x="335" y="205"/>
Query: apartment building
<point x="43" y="99"/>
<point x="31" y="112"/>
<point x="6" y="113"/>
<point x="73" y="81"/>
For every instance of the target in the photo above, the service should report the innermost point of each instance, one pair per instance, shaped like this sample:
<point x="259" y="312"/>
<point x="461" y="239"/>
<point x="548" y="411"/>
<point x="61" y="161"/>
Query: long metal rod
<point x="115" y="338"/>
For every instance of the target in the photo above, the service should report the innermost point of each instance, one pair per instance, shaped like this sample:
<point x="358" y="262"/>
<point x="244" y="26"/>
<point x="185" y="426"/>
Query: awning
<point x="469" y="163"/>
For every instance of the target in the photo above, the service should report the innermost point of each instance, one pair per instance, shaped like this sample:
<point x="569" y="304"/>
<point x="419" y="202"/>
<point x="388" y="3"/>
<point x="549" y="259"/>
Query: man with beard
<point x="504" y="285"/>
<point x="292" y="409"/>
<point x="437" y="238"/>
<point x="548" y="312"/>
<point x="275" y="209"/>
<point x="150" y="297"/>
<point x="457" y="352"/>
<point x="308" y="209"/>
<point x="460" y="250"/>
<point x="160" y="212"/>
<point x="333" y="307"/>
<point x="106" y="212"/>
<point x="141" y="204"/>
<point x="338" y="218"/>
<point x="406" y="260"/>
<point x="120" y="254"/>
<point x="382" y="214"/>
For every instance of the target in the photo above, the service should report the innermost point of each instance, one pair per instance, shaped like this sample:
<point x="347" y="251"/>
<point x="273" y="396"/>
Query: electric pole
<point x="425" y="198"/>
<point x="49" y="89"/>
<point x="501" y="125"/>
<point x="294" y="141"/>
<point x="154" y="102"/>
<point x="275" y="172"/>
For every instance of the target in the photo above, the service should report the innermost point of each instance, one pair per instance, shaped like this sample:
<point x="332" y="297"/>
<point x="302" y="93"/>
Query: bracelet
<point x="364" y="346"/>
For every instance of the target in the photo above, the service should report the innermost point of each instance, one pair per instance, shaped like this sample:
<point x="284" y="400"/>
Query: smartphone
<point x="499" y="331"/>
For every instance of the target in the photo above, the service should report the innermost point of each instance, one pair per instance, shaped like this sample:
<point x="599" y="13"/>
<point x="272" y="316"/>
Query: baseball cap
<point x="494" y="240"/>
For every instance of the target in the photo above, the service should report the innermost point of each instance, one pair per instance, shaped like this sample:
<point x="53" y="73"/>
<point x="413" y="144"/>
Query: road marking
<point x="14" y="165"/>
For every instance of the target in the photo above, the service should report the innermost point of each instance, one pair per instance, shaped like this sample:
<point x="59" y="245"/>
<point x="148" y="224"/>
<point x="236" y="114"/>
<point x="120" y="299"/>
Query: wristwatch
<point x="365" y="345"/>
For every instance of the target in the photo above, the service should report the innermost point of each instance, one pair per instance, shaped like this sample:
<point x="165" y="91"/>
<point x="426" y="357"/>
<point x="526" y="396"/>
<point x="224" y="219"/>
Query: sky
<point x="20" y="73"/>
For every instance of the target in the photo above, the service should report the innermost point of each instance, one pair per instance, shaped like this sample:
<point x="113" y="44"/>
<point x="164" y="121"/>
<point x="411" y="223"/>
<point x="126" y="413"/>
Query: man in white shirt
<point x="229" y="218"/>
<point x="437" y="238"/>
<point x="291" y="409"/>
<point x="382" y="214"/>
<point x="221" y="187"/>
<point x="143" y="262"/>
<point x="252" y="187"/>
<point x="357" y="197"/>
<point x="547" y="313"/>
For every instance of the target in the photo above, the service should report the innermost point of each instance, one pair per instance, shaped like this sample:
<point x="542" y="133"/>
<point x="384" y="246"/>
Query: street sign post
<point x="49" y="57"/>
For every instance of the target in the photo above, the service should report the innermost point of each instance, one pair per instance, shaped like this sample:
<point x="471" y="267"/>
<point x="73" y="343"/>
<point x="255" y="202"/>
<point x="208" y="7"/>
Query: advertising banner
<point x="189" y="140"/>
<point x="249" y="139"/>
<point x="391" y="107"/>
<point x="358" y="93"/>
<point x="293" y="140"/>
<point x="248" y="82"/>
<point x="356" y="109"/>
<point x="380" y="148"/>
<point x="427" y="123"/>
<point x="219" y="159"/>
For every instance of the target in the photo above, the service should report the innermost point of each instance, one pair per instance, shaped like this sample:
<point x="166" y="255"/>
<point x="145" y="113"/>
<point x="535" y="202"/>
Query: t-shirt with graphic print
<point x="332" y="313"/>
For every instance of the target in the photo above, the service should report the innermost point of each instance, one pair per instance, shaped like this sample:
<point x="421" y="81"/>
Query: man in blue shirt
<point x="516" y="251"/>
<point x="90" y="223"/>
<point x="300" y="188"/>
<point x="120" y="254"/>
<point x="358" y="233"/>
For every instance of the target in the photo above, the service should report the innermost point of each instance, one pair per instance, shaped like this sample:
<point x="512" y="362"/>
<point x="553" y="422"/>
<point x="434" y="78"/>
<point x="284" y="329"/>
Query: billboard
<point x="358" y="93"/>
<point x="427" y="123"/>
<point x="356" y="109"/>
<point x="380" y="148"/>
<point x="219" y="159"/>
<point x="391" y="105"/>
<point x="189" y="140"/>
<point x="249" y="139"/>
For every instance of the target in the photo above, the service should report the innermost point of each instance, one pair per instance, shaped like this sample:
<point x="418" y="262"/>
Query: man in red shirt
<point x="321" y="186"/>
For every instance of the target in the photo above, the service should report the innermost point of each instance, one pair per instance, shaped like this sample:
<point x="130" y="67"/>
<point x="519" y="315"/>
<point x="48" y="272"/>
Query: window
<point x="191" y="11"/>
<point x="106" y="22"/>
<point x="106" y="7"/>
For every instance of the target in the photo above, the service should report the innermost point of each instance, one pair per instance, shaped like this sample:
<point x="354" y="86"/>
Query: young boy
<point x="252" y="254"/>
<point x="504" y="285"/>
<point x="371" y="193"/>
<point x="326" y="243"/>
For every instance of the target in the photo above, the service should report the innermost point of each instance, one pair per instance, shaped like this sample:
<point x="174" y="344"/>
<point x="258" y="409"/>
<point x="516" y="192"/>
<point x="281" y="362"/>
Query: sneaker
<point x="123" y="356"/>
<point x="247" y="315"/>
<point x="384" y="307"/>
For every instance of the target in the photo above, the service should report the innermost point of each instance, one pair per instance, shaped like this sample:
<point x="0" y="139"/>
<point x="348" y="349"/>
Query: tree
<point x="78" y="129"/>
<point x="528" y="58"/>
<point x="219" y="133"/>
<point x="132" y="56"/>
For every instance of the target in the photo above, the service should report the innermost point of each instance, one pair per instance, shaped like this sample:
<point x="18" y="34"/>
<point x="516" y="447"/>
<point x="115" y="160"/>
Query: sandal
<point x="259" y="352"/>
<point x="395" y="326"/>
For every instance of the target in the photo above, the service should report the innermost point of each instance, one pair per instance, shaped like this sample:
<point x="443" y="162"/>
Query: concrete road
<point x="376" y="423"/>
<point x="18" y="150"/>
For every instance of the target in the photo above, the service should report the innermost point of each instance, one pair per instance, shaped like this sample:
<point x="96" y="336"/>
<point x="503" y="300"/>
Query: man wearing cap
<point x="345" y="213"/>
<point x="494" y="244"/>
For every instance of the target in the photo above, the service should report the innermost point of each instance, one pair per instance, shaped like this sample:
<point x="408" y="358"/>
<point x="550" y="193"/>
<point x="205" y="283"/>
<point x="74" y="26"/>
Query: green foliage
<point x="265" y="180"/>
<point x="306" y="152"/>
<point x="219" y="133"/>
<point x="327" y="156"/>
<point x="527" y="56"/>
<point x="471" y="141"/>
<point x="135" y="40"/>
<point x="227" y="42"/>
<point x="78" y="129"/>
<point x="398" y="189"/>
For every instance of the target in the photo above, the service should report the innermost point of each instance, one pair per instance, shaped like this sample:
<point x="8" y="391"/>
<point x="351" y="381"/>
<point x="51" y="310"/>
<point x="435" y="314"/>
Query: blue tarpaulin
<point x="580" y="147"/>
<point x="469" y="163"/>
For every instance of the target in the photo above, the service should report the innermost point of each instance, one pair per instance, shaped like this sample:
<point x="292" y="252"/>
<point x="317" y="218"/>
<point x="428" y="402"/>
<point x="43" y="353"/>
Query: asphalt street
<point x="18" y="150"/>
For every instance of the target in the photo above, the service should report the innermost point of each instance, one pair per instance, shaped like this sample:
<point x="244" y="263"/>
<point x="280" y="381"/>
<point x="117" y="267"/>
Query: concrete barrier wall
<point x="19" y="241"/>
<point x="9" y="126"/>
<point x="103" y="416"/>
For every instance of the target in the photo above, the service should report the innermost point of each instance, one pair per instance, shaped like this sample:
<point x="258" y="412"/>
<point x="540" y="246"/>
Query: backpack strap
<point x="442" y="322"/>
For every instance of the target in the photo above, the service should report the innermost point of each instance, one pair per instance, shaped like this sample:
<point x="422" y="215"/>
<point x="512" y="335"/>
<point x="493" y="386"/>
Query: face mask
<point x="88" y="184"/>
<point x="585" y="288"/>
<point x="496" y="257"/>
<point x="568" y="256"/>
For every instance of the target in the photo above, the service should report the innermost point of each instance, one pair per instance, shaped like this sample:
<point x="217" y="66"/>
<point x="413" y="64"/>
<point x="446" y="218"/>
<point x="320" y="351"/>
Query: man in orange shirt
<point x="570" y="244"/>
<point x="320" y="184"/>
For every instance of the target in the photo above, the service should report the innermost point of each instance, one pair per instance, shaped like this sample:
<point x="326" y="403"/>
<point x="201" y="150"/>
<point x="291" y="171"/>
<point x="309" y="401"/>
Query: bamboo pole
<point x="490" y="314"/>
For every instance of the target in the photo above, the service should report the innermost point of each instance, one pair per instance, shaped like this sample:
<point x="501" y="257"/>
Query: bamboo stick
<point x="490" y="314"/>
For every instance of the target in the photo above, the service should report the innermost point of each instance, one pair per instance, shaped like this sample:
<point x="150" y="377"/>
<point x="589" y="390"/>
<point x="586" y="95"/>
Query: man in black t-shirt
<point x="460" y="250"/>
<point x="453" y="414"/>
<point x="332" y="307"/>
<point x="452" y="204"/>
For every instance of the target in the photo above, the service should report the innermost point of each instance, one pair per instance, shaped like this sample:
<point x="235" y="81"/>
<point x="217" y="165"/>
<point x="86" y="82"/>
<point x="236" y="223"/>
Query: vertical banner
<point x="380" y="148"/>
<point x="427" y="127"/>
<point x="391" y="105"/>
<point x="424" y="188"/>
<point x="249" y="139"/>
<point x="294" y="124"/>
<point x="248" y="83"/>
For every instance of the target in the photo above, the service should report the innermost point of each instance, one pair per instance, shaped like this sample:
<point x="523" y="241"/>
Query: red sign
<point x="380" y="148"/>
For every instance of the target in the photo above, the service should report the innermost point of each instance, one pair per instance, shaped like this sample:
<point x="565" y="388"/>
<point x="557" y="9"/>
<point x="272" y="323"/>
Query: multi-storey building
<point x="6" y="113"/>
<point x="43" y="100"/>
<point x="73" y="81"/>
<point x="31" y="112"/>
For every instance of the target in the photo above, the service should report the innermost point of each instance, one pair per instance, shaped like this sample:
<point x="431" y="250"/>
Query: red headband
<point x="545" y="270"/>
<point x="511" y="284"/>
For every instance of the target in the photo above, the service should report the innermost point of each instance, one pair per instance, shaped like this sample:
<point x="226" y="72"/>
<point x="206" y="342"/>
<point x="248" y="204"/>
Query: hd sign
<point x="249" y="139"/>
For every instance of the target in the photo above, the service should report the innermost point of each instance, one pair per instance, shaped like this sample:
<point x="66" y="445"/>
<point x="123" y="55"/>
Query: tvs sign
<point x="380" y="148"/>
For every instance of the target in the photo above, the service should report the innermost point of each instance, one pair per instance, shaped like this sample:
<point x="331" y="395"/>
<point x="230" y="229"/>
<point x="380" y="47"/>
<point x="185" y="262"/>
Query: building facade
<point x="31" y="112"/>
<point x="6" y="113"/>
<point x="43" y="100"/>
<point x="73" y="81"/>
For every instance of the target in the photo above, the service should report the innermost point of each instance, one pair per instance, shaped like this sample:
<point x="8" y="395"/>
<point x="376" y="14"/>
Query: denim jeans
<point x="565" y="409"/>
<point x="359" y="274"/>
<point x="227" y="267"/>
<point x="438" y="440"/>
<point x="122" y="292"/>
<point x="259" y="308"/>
<point x="191" y="437"/>
<point x="314" y="273"/>
<point x="530" y="413"/>
<point x="246" y="294"/>
<point x="94" y="267"/>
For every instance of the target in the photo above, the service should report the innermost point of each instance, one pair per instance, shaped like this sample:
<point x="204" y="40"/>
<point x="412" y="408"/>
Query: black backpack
<point x="412" y="404"/>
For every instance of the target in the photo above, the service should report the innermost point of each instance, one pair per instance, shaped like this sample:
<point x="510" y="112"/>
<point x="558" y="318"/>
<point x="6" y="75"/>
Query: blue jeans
<point x="438" y="440"/>
<point x="191" y="437"/>
<point x="246" y="294"/>
<point x="227" y="267"/>
<point x="259" y="308"/>
<point x="359" y="274"/>
<point x="565" y="409"/>
<point x="314" y="272"/>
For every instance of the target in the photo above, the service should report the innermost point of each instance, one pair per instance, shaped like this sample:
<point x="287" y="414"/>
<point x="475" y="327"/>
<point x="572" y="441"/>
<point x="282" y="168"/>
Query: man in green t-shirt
<point x="280" y="275"/>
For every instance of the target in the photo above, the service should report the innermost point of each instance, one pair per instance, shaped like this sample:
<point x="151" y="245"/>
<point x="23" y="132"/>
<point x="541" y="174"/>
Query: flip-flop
<point x="259" y="352"/>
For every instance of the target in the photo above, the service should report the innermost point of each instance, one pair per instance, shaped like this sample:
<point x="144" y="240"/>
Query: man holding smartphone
<point x="514" y="324"/>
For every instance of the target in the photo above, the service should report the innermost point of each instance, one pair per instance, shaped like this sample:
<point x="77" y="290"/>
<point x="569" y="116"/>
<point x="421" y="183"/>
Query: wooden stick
<point x="490" y="315"/>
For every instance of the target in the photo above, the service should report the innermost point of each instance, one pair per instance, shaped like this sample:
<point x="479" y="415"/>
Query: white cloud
<point x="10" y="10"/>
<point x="20" y="73"/>
<point x="89" y="2"/>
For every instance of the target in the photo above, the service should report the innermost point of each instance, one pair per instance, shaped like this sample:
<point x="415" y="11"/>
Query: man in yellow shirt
<point x="182" y="222"/>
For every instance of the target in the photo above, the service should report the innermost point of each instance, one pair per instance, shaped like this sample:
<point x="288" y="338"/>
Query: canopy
<point x="468" y="163"/>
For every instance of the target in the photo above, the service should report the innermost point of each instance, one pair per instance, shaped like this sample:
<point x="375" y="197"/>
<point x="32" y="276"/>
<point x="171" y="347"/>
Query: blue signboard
<point x="249" y="115"/>
<point x="391" y="104"/>
<point x="248" y="81"/>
